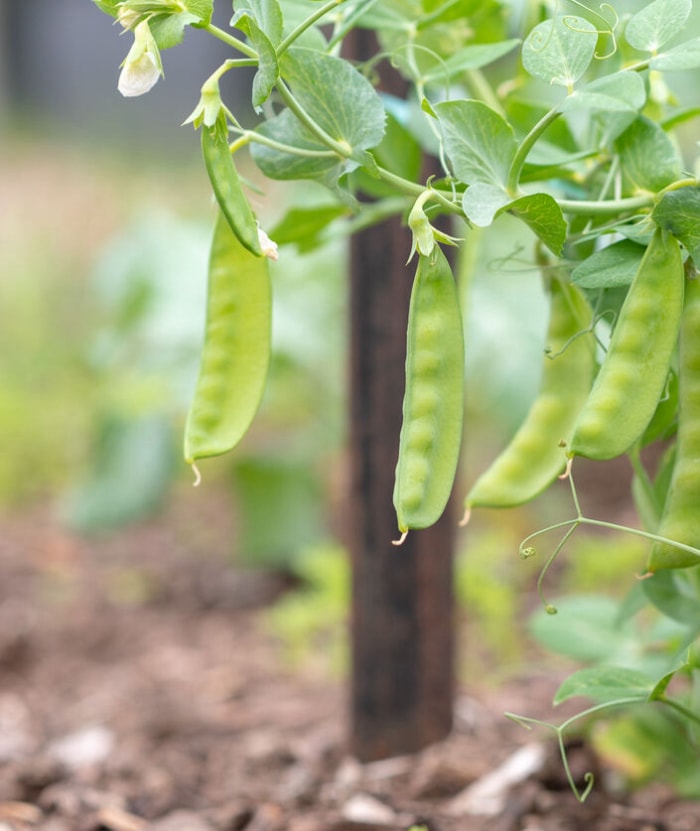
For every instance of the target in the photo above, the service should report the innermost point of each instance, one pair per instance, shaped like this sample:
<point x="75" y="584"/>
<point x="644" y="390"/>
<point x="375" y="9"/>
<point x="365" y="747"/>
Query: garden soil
<point x="141" y="688"/>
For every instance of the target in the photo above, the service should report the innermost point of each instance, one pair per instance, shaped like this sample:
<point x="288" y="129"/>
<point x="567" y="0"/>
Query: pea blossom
<point x="142" y="66"/>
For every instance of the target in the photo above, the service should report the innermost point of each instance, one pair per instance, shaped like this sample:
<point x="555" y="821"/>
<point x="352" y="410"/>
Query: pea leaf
<point x="605" y="685"/>
<point x="656" y="24"/>
<point x="678" y="211"/>
<point x="541" y="213"/>
<point x="267" y="15"/>
<point x="685" y="56"/>
<point x="619" y="92"/>
<point x="473" y="56"/>
<point x="268" y="68"/>
<point x="168" y="29"/>
<point x="673" y="595"/>
<point x="648" y="157"/>
<point x="304" y="227"/>
<point x="559" y="51"/>
<point x="478" y="141"/>
<point x="610" y="267"/>
<point x="336" y="96"/>
<point x="108" y="6"/>
<point x="482" y="202"/>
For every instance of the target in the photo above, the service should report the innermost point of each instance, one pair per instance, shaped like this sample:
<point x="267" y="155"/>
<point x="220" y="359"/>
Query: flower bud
<point x="142" y="66"/>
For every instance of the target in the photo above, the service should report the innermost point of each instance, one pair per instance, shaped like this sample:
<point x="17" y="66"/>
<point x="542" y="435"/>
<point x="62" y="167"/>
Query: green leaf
<point x="473" y="56"/>
<point x="619" y="92"/>
<point x="303" y="227"/>
<point x="559" y="51"/>
<point x="268" y="68"/>
<point x="541" y="213"/>
<point x="656" y="24"/>
<point x="612" y="266"/>
<point x="478" y="141"/>
<point x="267" y="15"/>
<point x="336" y="96"/>
<point x="168" y="29"/>
<point x="648" y="157"/>
<point x="605" y="685"/>
<point x="108" y="6"/>
<point x="674" y="595"/>
<point x="482" y="202"/>
<point x="678" y="211"/>
<point x="685" y="56"/>
<point x="277" y="164"/>
<point x="587" y="628"/>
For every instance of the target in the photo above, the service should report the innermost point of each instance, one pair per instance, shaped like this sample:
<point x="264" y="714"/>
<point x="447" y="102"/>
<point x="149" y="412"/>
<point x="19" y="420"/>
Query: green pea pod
<point x="227" y="185"/>
<point x="633" y="375"/>
<point x="680" y="520"/>
<point x="534" y="457"/>
<point x="433" y="405"/>
<point x="237" y="344"/>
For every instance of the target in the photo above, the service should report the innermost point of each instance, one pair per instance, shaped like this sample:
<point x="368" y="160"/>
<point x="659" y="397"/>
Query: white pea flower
<point x="142" y="66"/>
<point x="267" y="246"/>
<point x="127" y="17"/>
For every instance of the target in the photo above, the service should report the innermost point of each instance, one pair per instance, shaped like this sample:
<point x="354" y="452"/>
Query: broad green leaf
<point x="268" y="68"/>
<point x="336" y="96"/>
<point x="674" y="595"/>
<point x="685" y="56"/>
<point x="169" y="29"/>
<point x="541" y="213"/>
<point x="656" y="24"/>
<point x="304" y="227"/>
<point x="478" y="141"/>
<point x="482" y="202"/>
<point x="619" y="92"/>
<point x="277" y="164"/>
<point x="268" y="16"/>
<point x="587" y="628"/>
<point x="605" y="685"/>
<point x="612" y="266"/>
<point x="648" y="157"/>
<point x="559" y="51"/>
<point x="473" y="56"/>
<point x="679" y="212"/>
<point x="108" y="6"/>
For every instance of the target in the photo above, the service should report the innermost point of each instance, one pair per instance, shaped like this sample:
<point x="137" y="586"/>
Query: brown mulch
<point x="139" y="690"/>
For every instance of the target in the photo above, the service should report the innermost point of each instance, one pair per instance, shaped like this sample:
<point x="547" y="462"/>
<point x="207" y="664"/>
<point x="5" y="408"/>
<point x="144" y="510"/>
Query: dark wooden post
<point x="402" y="629"/>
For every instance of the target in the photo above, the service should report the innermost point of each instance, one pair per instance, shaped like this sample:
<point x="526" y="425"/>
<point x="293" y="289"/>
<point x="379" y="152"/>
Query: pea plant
<point x="572" y="119"/>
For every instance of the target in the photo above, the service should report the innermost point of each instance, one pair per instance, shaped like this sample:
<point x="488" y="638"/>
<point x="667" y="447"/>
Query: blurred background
<point x="105" y="217"/>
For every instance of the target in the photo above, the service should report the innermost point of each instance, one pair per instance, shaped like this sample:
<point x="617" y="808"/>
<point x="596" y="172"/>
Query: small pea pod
<point x="237" y="345"/>
<point x="633" y="375"/>
<point x="433" y="405"/>
<point x="534" y="457"/>
<point x="680" y="520"/>
<point x="227" y="186"/>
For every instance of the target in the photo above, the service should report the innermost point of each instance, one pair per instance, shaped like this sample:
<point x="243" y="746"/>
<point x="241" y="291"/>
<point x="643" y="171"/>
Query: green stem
<point x="680" y="708"/>
<point x="413" y="189"/>
<point x="307" y="24"/>
<point x="483" y="89"/>
<point x="340" y="148"/>
<point x="526" y="145"/>
<point x="251" y="136"/>
<point x="608" y="207"/>
<point x="232" y="41"/>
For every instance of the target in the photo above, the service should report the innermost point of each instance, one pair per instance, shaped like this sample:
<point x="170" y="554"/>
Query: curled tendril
<point x="609" y="27"/>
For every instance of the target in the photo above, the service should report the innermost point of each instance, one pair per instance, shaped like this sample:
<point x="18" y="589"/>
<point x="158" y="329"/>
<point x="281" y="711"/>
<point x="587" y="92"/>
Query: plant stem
<point x="680" y="708"/>
<point x="306" y="24"/>
<point x="232" y="41"/>
<point x="608" y="207"/>
<point x="340" y="148"/>
<point x="526" y="145"/>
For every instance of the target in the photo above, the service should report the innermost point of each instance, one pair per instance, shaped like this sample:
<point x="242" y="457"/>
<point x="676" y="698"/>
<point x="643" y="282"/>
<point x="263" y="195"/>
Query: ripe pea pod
<point x="433" y="405"/>
<point x="633" y="375"/>
<point x="680" y="520"/>
<point x="534" y="457"/>
<point x="237" y="344"/>
<point x="227" y="185"/>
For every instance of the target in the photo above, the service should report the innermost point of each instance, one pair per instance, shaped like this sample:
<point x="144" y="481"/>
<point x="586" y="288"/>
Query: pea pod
<point x="227" y="186"/>
<point x="433" y="405"/>
<point x="236" y="353"/>
<point x="534" y="457"/>
<point x="633" y="375"/>
<point x="680" y="520"/>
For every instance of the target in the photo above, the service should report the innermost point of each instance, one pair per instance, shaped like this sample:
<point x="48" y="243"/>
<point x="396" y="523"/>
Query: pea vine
<point x="573" y="123"/>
